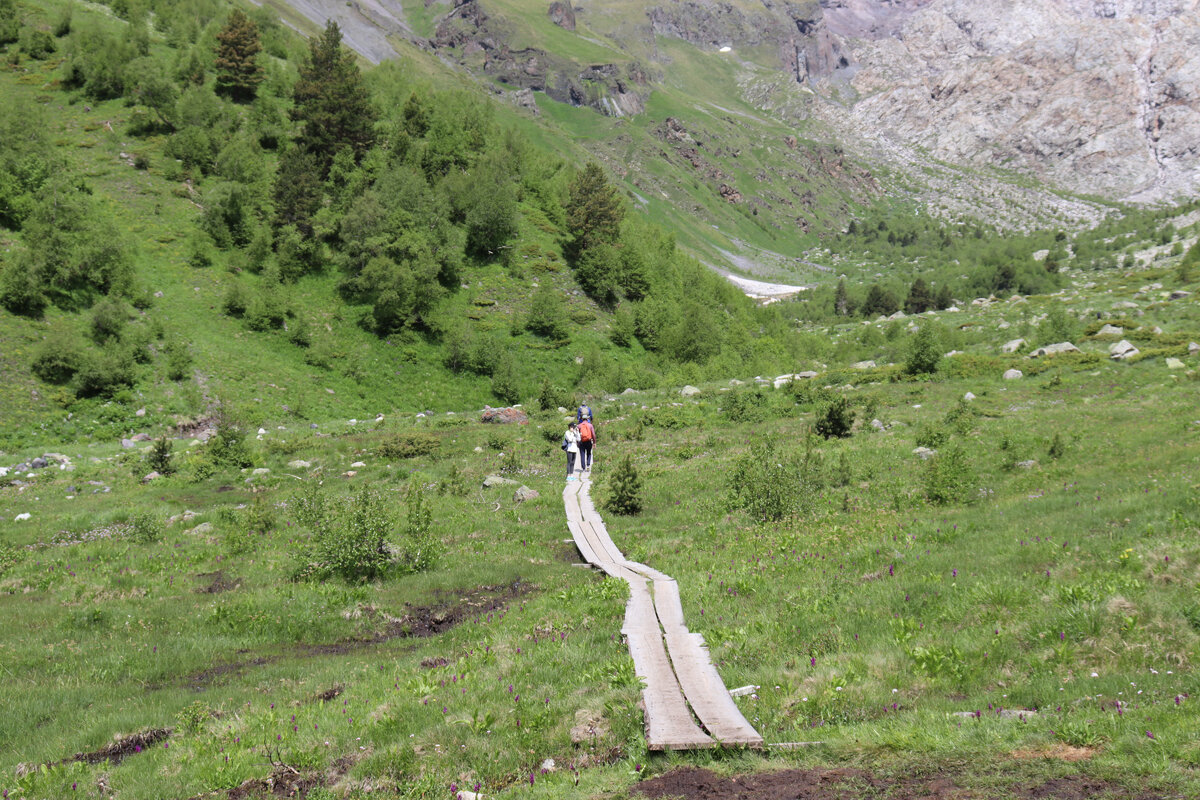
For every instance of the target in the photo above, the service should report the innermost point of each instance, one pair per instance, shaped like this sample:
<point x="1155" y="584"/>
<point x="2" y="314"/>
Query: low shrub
<point x="625" y="493"/>
<point x="747" y="405"/>
<point x="949" y="477"/>
<point x="767" y="483"/>
<point x="409" y="444"/>
<point x="835" y="419"/>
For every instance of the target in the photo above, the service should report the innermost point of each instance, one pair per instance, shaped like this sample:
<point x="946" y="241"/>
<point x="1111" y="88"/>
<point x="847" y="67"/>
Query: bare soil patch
<point x="422" y="621"/>
<point x="124" y="747"/>
<point x="850" y="784"/>
<point x="217" y="582"/>
<point x="280" y="783"/>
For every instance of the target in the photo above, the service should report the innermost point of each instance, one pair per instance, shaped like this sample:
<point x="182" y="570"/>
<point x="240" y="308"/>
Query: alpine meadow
<point x="885" y="314"/>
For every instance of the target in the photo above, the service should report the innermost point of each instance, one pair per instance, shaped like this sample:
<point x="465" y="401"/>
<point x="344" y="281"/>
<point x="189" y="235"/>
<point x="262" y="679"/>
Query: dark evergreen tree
<point x="924" y="353"/>
<point x="920" y="299"/>
<point x="297" y="190"/>
<point x="331" y="101"/>
<point x="841" y="300"/>
<point x="625" y="493"/>
<point x="880" y="301"/>
<point x="594" y="210"/>
<point x="944" y="299"/>
<point x="238" y="70"/>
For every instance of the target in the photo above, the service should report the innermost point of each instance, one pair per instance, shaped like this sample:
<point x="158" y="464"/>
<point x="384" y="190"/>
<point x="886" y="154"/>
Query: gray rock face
<point x="1122" y="350"/>
<point x="689" y="391"/>
<point x="562" y="14"/>
<point x="504" y="416"/>
<point x="1054" y="349"/>
<point x="1013" y="374"/>
<point x="1091" y="95"/>
<point x="1110" y="330"/>
<point x="525" y="493"/>
<point x="1012" y="346"/>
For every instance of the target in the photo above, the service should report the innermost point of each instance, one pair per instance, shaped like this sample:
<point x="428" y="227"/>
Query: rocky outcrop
<point x="562" y="14"/>
<point x="471" y="37"/>
<point x="1101" y="96"/>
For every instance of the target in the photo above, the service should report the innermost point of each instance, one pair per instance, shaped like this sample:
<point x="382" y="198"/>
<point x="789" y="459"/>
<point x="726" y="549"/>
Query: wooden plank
<point x="706" y="692"/>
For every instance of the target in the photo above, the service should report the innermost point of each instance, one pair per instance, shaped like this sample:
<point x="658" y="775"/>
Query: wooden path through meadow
<point x="671" y="661"/>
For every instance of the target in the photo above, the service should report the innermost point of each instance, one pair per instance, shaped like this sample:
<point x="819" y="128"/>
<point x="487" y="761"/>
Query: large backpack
<point x="587" y="432"/>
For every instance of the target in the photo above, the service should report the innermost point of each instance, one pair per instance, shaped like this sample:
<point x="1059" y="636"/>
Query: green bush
<point x="353" y="546"/>
<point x="924" y="352"/>
<point x="419" y="548"/>
<point x="159" y="457"/>
<point x="767" y="483"/>
<point x="747" y="405"/>
<point x="10" y="556"/>
<point x="932" y="435"/>
<point x="58" y="357"/>
<point x="145" y="527"/>
<point x="949" y="477"/>
<point x="101" y="373"/>
<point x="626" y="494"/>
<point x="228" y="446"/>
<point x="835" y="419"/>
<point x="409" y="444"/>
<point x="179" y="360"/>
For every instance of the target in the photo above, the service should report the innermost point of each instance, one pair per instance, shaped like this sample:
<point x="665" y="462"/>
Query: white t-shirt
<point x="572" y="440"/>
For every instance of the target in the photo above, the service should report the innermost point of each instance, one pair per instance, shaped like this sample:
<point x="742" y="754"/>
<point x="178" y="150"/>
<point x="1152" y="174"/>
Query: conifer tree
<point x="332" y="102"/>
<point x="594" y="210"/>
<point x="919" y="298"/>
<point x="238" y="70"/>
<point x="625" y="488"/>
<point x="841" y="301"/>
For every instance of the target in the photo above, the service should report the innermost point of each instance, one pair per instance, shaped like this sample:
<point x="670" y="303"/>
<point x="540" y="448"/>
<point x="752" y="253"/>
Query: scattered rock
<point x="1179" y="294"/>
<point x="1122" y="350"/>
<point x="496" y="480"/>
<point x="141" y="412"/>
<point x="150" y="476"/>
<point x="298" y="464"/>
<point x="548" y="765"/>
<point x="969" y="396"/>
<point x="186" y="516"/>
<point x="349" y="473"/>
<point x="877" y="425"/>
<point x="863" y="364"/>
<point x="1174" y="363"/>
<point x="357" y="464"/>
<point x="22" y="517"/>
<point x="525" y="493"/>
<point x="39" y="463"/>
<point x="1193" y="348"/>
<point x="924" y="453"/>
<point x="689" y="391"/>
<point x="504" y="416"/>
<point x="260" y="471"/>
<point x="1013" y="374"/>
<point x="203" y="529"/>
<point x="140" y="437"/>
<point x="1110" y="330"/>
<point x="1054" y="349"/>
<point x="1013" y="346"/>
<point x="1030" y="464"/>
<point x="128" y="444"/>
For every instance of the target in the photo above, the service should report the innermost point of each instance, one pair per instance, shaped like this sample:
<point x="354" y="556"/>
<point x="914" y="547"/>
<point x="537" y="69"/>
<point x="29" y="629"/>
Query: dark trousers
<point x="571" y="462"/>
<point x="585" y="455"/>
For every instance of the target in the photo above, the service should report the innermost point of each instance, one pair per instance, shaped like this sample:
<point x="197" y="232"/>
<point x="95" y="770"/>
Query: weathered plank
<point x="676" y="675"/>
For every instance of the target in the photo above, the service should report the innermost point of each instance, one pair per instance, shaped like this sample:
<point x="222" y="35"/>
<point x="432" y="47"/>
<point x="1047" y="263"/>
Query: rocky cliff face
<point x="1097" y="96"/>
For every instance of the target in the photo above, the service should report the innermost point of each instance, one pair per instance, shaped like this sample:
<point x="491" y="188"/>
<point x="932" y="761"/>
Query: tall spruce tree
<point x="594" y="210"/>
<point x="238" y="70"/>
<point x="919" y="299"/>
<point x="332" y="102"/>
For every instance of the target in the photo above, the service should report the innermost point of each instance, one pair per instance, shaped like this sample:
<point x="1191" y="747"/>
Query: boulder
<point x="1013" y="346"/>
<point x="150" y="476"/>
<point x="1193" y="348"/>
<point x="1013" y="374"/>
<point x="969" y="396"/>
<point x="299" y="464"/>
<point x="924" y="453"/>
<point x="689" y="391"/>
<point x="863" y="365"/>
<point x="1110" y="330"/>
<point x="1174" y="363"/>
<point x="1030" y="464"/>
<point x="140" y="437"/>
<point x="505" y="416"/>
<point x="141" y="412"/>
<point x="1179" y="294"/>
<point x="260" y="471"/>
<point x="1122" y="350"/>
<point x="358" y="464"/>
<point x="203" y="529"/>
<point x="496" y="480"/>
<point x="1054" y="349"/>
<point x="525" y="493"/>
<point x="128" y="444"/>
<point x="878" y="425"/>
<point x="39" y="463"/>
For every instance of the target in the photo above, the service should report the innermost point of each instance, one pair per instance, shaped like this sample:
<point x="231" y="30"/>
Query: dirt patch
<point x="850" y="784"/>
<point x="199" y="681"/>
<point x="434" y="663"/>
<point x="422" y="621"/>
<point x="218" y="582"/>
<point x="328" y="694"/>
<point x="280" y="783"/>
<point x="1059" y="750"/>
<point x="124" y="747"/>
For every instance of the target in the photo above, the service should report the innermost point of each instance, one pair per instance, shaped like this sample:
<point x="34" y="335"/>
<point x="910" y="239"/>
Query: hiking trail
<point x="672" y="662"/>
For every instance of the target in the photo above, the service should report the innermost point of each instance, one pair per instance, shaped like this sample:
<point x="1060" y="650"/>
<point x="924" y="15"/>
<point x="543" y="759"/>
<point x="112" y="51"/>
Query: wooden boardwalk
<point x="671" y="661"/>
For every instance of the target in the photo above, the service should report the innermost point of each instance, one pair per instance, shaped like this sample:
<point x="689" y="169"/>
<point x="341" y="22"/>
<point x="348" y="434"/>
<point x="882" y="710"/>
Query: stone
<point x="39" y="463"/>
<point x="1157" y="331"/>
<point x="1125" y="304"/>
<point x="1030" y="464"/>
<point x="629" y="391"/>
<point x="806" y="374"/>
<point x="1013" y="374"/>
<point x="1174" y="363"/>
<point x="478" y="449"/>
<point x="496" y="480"/>
<point x="261" y="431"/>
<point x="128" y="444"/>
<point x="969" y="396"/>
<point x="736" y="382"/>
<point x="150" y="476"/>
<point x="1110" y="330"/>
<point x="1054" y="349"/>
<point x="863" y="365"/>
<point x="878" y="425"/>
<point x="141" y="412"/>
<point x="1179" y="294"/>
<point x="504" y="416"/>
<point x="260" y="471"/>
<point x="140" y="437"/>
<point x="1004" y="325"/>
<point x="203" y="529"/>
<point x="525" y="493"/>
<point x="689" y="391"/>
<point x="548" y="765"/>
<point x="357" y="464"/>
<point x="22" y="517"/>
<point x="1013" y="346"/>
<point x="1122" y="350"/>
<point x="742" y="691"/>
<point x="299" y="464"/>
<point x="1193" y="348"/>
<point x="924" y="453"/>
<point x="349" y="473"/>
